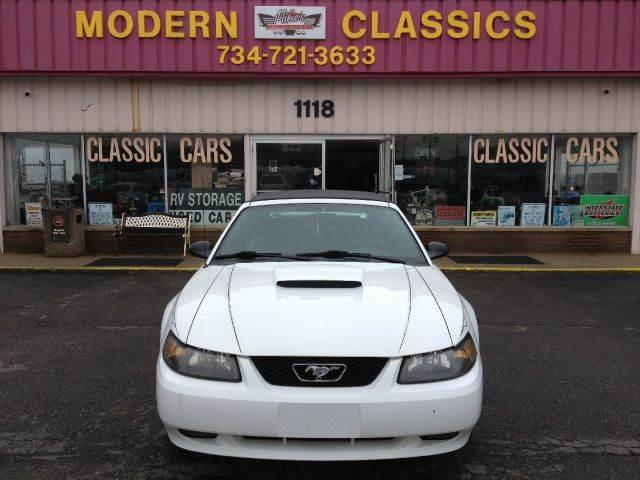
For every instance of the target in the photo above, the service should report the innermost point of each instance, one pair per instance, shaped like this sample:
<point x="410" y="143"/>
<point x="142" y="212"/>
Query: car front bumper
<point x="257" y="420"/>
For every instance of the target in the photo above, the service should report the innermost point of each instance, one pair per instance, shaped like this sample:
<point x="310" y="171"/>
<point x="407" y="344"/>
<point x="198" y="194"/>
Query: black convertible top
<point x="320" y="194"/>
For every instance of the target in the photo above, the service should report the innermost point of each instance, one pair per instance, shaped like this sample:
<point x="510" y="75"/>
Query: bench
<point x="154" y="225"/>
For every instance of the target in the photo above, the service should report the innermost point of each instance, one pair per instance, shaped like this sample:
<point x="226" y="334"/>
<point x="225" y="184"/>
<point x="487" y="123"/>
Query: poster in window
<point x="483" y="218"/>
<point x="506" y="216"/>
<point x="577" y="215"/>
<point x="532" y="214"/>
<point x="33" y="213"/>
<point x="562" y="215"/>
<point x="449" y="215"/>
<point x="100" y="213"/>
<point x="605" y="210"/>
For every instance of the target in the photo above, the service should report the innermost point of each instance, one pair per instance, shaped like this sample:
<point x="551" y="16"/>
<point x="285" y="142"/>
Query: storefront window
<point x="126" y="175"/>
<point x="430" y="177"/>
<point x="509" y="180"/>
<point x="205" y="177"/>
<point x="591" y="180"/>
<point x="41" y="171"/>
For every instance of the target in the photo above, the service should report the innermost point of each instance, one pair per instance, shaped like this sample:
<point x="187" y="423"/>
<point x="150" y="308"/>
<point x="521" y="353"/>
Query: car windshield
<point x="322" y="231"/>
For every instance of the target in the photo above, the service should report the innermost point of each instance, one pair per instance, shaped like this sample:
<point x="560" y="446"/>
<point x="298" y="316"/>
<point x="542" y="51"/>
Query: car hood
<point x="318" y="309"/>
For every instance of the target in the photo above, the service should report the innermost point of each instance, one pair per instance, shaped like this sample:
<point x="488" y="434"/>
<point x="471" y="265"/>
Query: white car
<point x="319" y="329"/>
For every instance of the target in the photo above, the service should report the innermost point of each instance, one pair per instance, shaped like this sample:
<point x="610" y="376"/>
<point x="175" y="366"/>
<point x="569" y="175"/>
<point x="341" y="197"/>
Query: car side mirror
<point x="201" y="249"/>
<point x="437" y="250"/>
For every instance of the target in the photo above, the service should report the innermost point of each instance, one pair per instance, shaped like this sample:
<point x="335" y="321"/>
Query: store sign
<point x="206" y="207"/>
<point x="330" y="38"/>
<point x="592" y="150"/>
<point x="483" y="218"/>
<point x="511" y="150"/>
<point x="605" y="210"/>
<point x="449" y="215"/>
<point x="100" y="213"/>
<point x="33" y="213"/>
<point x="296" y="22"/>
<point x="124" y="149"/>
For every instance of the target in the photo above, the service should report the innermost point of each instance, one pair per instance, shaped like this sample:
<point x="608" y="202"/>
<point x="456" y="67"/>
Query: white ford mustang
<point x="319" y="329"/>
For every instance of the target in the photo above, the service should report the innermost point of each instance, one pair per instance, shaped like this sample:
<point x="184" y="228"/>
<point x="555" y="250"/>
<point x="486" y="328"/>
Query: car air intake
<point x="318" y="284"/>
<point x="439" y="436"/>
<point x="358" y="371"/>
<point x="194" y="434"/>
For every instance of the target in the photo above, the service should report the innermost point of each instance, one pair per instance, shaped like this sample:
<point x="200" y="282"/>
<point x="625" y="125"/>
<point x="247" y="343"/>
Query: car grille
<point x="360" y="371"/>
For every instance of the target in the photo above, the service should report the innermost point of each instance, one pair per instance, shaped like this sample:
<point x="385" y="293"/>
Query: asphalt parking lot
<point x="562" y="389"/>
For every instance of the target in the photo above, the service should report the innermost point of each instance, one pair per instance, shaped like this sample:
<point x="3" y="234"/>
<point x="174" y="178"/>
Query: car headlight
<point x="441" y="365"/>
<point x="200" y="363"/>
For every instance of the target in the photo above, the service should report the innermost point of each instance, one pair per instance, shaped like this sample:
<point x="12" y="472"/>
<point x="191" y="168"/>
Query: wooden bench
<point x="154" y="225"/>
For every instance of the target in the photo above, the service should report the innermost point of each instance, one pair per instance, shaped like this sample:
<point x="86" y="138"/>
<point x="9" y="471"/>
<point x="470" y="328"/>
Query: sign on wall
<point x="294" y="22"/>
<point x="605" y="210"/>
<point x="250" y="37"/>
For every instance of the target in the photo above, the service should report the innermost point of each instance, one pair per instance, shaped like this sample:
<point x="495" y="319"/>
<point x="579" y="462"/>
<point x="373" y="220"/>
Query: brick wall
<point x="23" y="240"/>
<point x="459" y="240"/>
<point x="541" y="240"/>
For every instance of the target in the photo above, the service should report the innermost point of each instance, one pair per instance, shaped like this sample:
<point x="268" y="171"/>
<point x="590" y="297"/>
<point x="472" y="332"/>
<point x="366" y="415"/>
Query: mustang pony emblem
<point x="313" y="372"/>
<point x="320" y="371"/>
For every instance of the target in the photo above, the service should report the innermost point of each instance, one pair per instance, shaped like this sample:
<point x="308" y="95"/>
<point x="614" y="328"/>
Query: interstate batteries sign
<point x="605" y="210"/>
<point x="324" y="38"/>
<point x="206" y="207"/>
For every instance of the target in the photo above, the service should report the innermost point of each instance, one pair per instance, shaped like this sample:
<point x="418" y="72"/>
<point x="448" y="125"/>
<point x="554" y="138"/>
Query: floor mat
<point x="496" y="259"/>
<point x="135" y="262"/>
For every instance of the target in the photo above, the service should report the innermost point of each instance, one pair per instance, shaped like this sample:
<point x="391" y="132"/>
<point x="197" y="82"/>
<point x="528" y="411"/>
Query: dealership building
<point x="496" y="126"/>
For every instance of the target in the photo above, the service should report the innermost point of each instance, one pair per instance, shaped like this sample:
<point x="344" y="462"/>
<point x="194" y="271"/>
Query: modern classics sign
<point x="336" y="38"/>
<point x="297" y="23"/>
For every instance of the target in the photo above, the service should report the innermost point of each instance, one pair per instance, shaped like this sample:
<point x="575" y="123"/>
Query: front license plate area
<point x="310" y="420"/>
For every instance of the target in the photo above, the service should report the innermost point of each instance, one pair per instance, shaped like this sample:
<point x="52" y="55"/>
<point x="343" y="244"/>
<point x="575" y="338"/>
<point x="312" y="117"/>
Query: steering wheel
<point x="363" y="245"/>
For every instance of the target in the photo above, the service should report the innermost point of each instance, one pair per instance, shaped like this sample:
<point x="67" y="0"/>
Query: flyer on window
<point x="605" y="210"/>
<point x="483" y="218"/>
<point x="562" y="215"/>
<point x="506" y="216"/>
<point x="33" y="213"/>
<point x="577" y="215"/>
<point x="100" y="213"/>
<point x="449" y="215"/>
<point x="533" y="214"/>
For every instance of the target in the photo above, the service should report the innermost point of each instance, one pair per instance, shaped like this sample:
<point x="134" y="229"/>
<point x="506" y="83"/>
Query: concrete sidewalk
<point x="550" y="262"/>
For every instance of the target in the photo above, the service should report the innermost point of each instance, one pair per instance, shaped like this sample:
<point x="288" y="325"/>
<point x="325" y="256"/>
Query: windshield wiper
<point x="344" y="254"/>
<point x="251" y="255"/>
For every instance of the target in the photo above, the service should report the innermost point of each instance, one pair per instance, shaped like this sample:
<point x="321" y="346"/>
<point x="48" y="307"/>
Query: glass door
<point x="295" y="165"/>
<point x="353" y="165"/>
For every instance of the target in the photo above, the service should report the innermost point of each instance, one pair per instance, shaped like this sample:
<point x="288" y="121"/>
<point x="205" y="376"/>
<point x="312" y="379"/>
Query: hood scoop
<point x="319" y="283"/>
<point x="318" y="275"/>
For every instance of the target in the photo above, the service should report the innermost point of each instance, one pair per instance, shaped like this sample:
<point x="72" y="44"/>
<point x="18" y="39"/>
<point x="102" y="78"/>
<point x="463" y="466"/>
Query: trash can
<point x="63" y="232"/>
